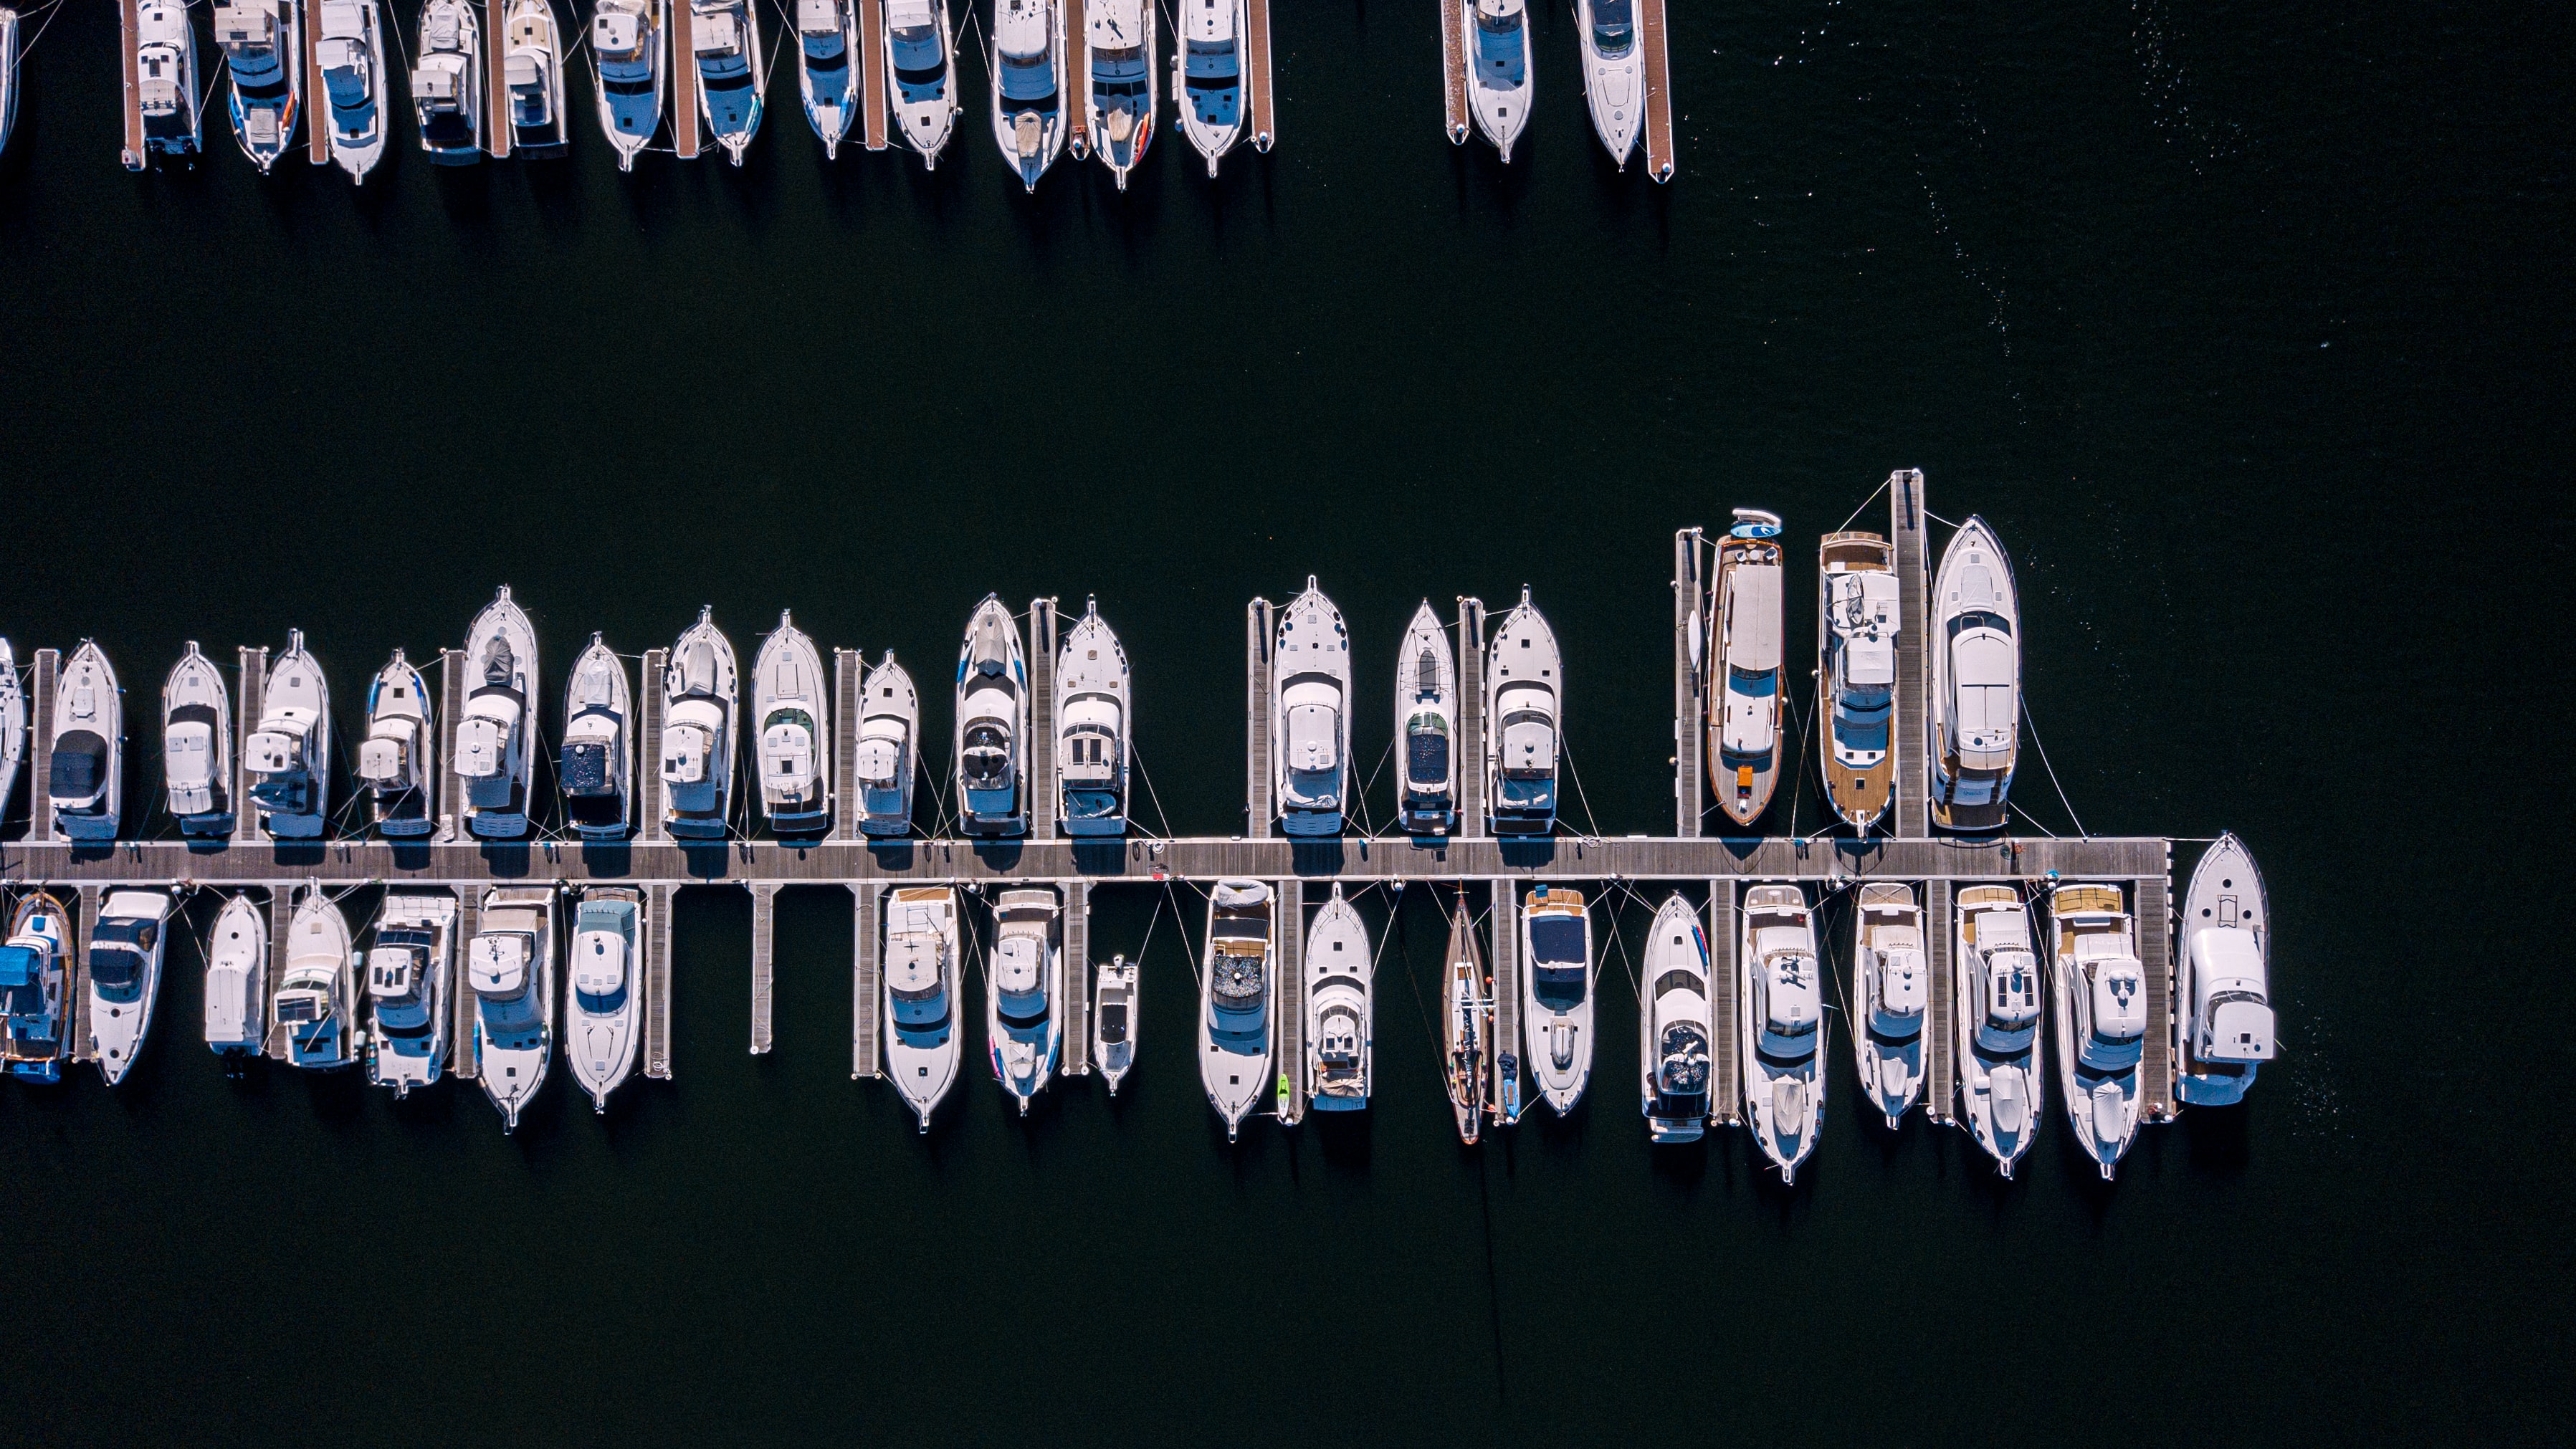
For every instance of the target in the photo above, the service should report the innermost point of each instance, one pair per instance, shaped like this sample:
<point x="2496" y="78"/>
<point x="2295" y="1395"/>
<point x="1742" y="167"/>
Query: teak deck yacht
<point x="1467" y="1026"/>
<point x="1856" y="624"/>
<point x="1745" y="674"/>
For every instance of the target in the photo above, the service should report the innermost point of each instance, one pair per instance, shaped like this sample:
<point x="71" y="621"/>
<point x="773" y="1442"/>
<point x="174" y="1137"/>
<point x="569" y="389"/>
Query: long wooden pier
<point x="128" y="26"/>
<point x="1258" y="641"/>
<point x="1453" y="70"/>
<point x="1725" y="1076"/>
<point x="1690" y="710"/>
<point x="1077" y="59"/>
<point x="684" y="97"/>
<point x="1265" y="128"/>
<point x="1290" y="971"/>
<point x="1043" y="800"/>
<point x="496" y="79"/>
<point x="1659" y="91"/>
<point x="1502" y="924"/>
<point x="872" y="74"/>
<point x="316" y="104"/>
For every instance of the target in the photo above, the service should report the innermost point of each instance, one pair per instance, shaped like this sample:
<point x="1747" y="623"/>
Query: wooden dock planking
<point x="316" y="103"/>
<point x="1659" y="91"/>
<point x="684" y="105"/>
<point x="1077" y="61"/>
<point x="80" y="1045"/>
<point x="872" y="80"/>
<point x="1257" y="643"/>
<point x="1264" y="120"/>
<point x="1290" y="972"/>
<point x="1690" y="728"/>
<point x="1913" y="602"/>
<point x="1043" y="794"/>
<point x="461" y="1061"/>
<point x="1471" y="718"/>
<point x="764" y="955"/>
<point x="253" y="703"/>
<point x="1504" y="921"/>
<point x="2154" y="912"/>
<point x="866" y="931"/>
<point x="652" y="829"/>
<point x="281" y="914"/>
<point x="128" y="26"/>
<point x="1453" y="68"/>
<point x="451" y="711"/>
<point x="40" y="751"/>
<point x="849" y="686"/>
<point x="657" y="982"/>
<point x="496" y="79"/>
<point x="1725" y="1084"/>
<point x="1940" y="1037"/>
<point x="1077" y="980"/>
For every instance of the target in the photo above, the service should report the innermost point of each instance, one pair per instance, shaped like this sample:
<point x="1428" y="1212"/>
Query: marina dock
<point x="1659" y="91"/>
<point x="496" y="77"/>
<point x="128" y="23"/>
<point x="1725" y="1072"/>
<point x="1291" y="974"/>
<point x="317" y="95"/>
<point x="1690" y="707"/>
<point x="1257" y="77"/>
<point x="1077" y="59"/>
<point x="1503" y="926"/>
<point x="874" y="103"/>
<point x="1453" y="71"/>
<point x="867" y="929"/>
<point x="684" y="91"/>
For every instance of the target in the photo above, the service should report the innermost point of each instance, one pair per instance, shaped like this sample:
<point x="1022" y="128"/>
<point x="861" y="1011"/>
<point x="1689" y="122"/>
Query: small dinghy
<point x="511" y="969"/>
<point x="1890" y="986"/>
<point x="1997" y="1021"/>
<point x="447" y="83"/>
<point x="13" y="726"/>
<point x="1856" y="625"/>
<point x="1525" y="723"/>
<point x="827" y="70"/>
<point x="1028" y="101"/>
<point x="2225" y="992"/>
<point x="85" y="761"/>
<point x="35" y="987"/>
<point x="236" y="1004"/>
<point x="1467" y="1026"/>
<point x="1614" y="73"/>
<point x="126" y="946"/>
<point x="1122" y="87"/>
<point x="1426" y="721"/>
<point x="605" y="1006"/>
<point x="532" y="69"/>
<point x="1557" y="977"/>
<point x="2100" y="996"/>
<point x="167" y="86"/>
<point x="289" y="756"/>
<point x="991" y="742"/>
<point x="317" y="1000"/>
<point x="1674" y="1030"/>
<point x="1341" y="986"/>
<point x="1207" y="76"/>
<point x="1975" y="662"/>
<point x="1498" y="68"/>
<point x="351" y="53"/>
<point x="1310" y="716"/>
<point x="627" y="55"/>
<point x="408" y="972"/>
<point x="495" y="754"/>
<point x="921" y="74"/>
<point x="733" y="71"/>
<point x="1024" y="992"/>
<point x="263" y="46"/>
<point x="598" y="765"/>
<point x="701" y="703"/>
<point x="889" y="749"/>
<point x="791" y="700"/>
<point x="1113" y="1021"/>
<point x="398" y="760"/>
<point x="1237" y="992"/>
<point x="1780" y="1024"/>
<point x="196" y="746"/>
<point x="1094" y="709"/>
<point x="1745" y="677"/>
<point x="920" y="1005"/>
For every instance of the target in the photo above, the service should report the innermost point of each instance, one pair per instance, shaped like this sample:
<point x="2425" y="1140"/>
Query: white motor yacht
<point x="1857" y="621"/>
<point x="1426" y="721"/>
<point x="1467" y="1026"/>
<point x="532" y="62"/>
<point x="1024" y="996"/>
<point x="1975" y="663"/>
<point x="1237" y="994"/>
<point x="8" y="94"/>
<point x="35" y="990"/>
<point x="511" y="968"/>
<point x="236" y="1002"/>
<point x="604" y="999"/>
<point x="827" y="67"/>
<point x="1614" y="73"/>
<point x="921" y="74"/>
<point x="1525" y="723"/>
<point x="1207" y="76"/>
<point x="263" y="46"/>
<point x="991" y="742"/>
<point x="1745" y="674"/>
<point x="398" y="760"/>
<point x="1094" y="710"/>
<point x="410" y="969"/>
<point x="447" y="83"/>
<point x="920" y="1006"/>
<point x="629" y="53"/>
<point x="13" y="725"/>
<point x="126" y="945"/>
<point x="1341" y="1011"/>
<point x="733" y="71"/>
<point x="85" y="765"/>
<point x="1113" y="1021"/>
<point x="889" y="749"/>
<point x="1674" y="1032"/>
<point x="351" y="53"/>
<point x="2100" y="995"/>
<point x="791" y="700"/>
<point x="1028" y="99"/>
<point x="1890" y="986"/>
<point x="1997" y="1021"/>
<point x="2225" y="1026"/>
<point x="196" y="746"/>
<point x="701" y="705"/>
<point x="288" y="757"/>
<point x="316" y="1005"/>
<point x="495" y="737"/>
<point x="1498" y="68"/>
<point x="169" y="89"/>
<point x="1780" y="1025"/>
<point x="1559" y="969"/>
<point x="1123" y="86"/>
<point x="598" y="764"/>
<point x="1310" y="715"/>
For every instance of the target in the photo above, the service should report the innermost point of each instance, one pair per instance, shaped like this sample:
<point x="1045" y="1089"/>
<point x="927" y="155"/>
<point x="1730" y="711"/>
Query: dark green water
<point x="2245" y="325"/>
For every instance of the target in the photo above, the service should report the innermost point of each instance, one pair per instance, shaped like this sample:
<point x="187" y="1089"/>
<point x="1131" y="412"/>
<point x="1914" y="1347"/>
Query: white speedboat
<point x="1237" y="993"/>
<point x="791" y="706"/>
<point x="1674" y="1032"/>
<point x="196" y="746"/>
<point x="1557" y="977"/>
<point x="889" y="749"/>
<point x="920" y="1006"/>
<point x="1780" y="1025"/>
<point x="1467" y="1026"/>
<point x="1857" y="620"/>
<point x="1498" y="68"/>
<point x="1614" y="73"/>
<point x="1094" y="710"/>
<point x="604" y="1002"/>
<point x="1975" y="663"/>
<point x="125" y="950"/>
<point x="701" y="705"/>
<point x="263" y="46"/>
<point x="1024" y="996"/>
<point x="511" y="969"/>
<point x="85" y="765"/>
<point x="1525" y="723"/>
<point x="1207" y="76"/>
<point x="532" y="70"/>
<point x="8" y="94"/>
<point x="13" y="725"/>
<point x="168" y="86"/>
<point x="398" y="760"/>
<point x="1341" y="1011"/>
<point x="2225" y="1025"/>
<point x="1996" y="1017"/>
<point x="1426" y="721"/>
<point x="1028" y="100"/>
<point x="409" y="971"/>
<point x="1310" y="715"/>
<point x="991" y="742"/>
<point x="2100" y="995"/>
<point x="316" y="1005"/>
<point x="288" y="757"/>
<point x="447" y="83"/>
<point x="827" y="67"/>
<point x="495" y="737"/>
<point x="1890" y="986"/>
<point x="629" y="53"/>
<point x="733" y="71"/>
<point x="236" y="1003"/>
<point x="598" y="764"/>
<point x="351" y="52"/>
<point x="1113" y="1021"/>
<point x="1745" y="675"/>
<point x="1123" y="87"/>
<point x="921" y="74"/>
<point x="35" y="990"/>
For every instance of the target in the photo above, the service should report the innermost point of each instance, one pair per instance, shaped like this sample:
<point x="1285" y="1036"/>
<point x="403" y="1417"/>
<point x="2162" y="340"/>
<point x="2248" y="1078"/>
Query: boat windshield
<point x="1021" y="1010"/>
<point x="1558" y="988"/>
<point x="1028" y="82"/>
<point x="1613" y="28"/>
<point x="1752" y="683"/>
<point x="117" y="971"/>
<point x="920" y="1017"/>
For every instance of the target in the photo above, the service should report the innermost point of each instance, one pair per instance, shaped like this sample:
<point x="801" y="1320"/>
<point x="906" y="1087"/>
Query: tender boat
<point x="317" y="1000"/>
<point x="1890" y="986"/>
<point x="1674" y="1031"/>
<point x="1857" y="621"/>
<point x="1028" y="103"/>
<point x="2100" y="995"/>
<point x="495" y="753"/>
<point x="35" y="987"/>
<point x="889" y="749"/>
<point x="792" y="701"/>
<point x="827" y="68"/>
<point x="263" y="46"/>
<point x="598" y="765"/>
<point x="1207" y="76"/>
<point x="733" y="71"/>
<point x="604" y="1009"/>
<point x="168" y="87"/>
<point x="196" y="746"/>
<point x="1426" y="720"/>
<point x="85" y="768"/>
<point x="8" y="93"/>
<point x="511" y="968"/>
<point x="398" y="760"/>
<point x="1780" y="1010"/>
<point x="1525" y="704"/>
<point x="288" y="758"/>
<point x="628" y="51"/>
<point x="921" y="74"/>
<point x="992" y="724"/>
<point x="532" y="69"/>
<point x="1498" y="68"/>
<point x="1122" y="89"/>
<point x="1237" y="994"/>
<point x="1024" y="996"/>
<point x="1113" y="1021"/>
<point x="409" y="971"/>
<point x="921" y="1047"/>
<point x="1310" y="715"/>
<point x="701" y="702"/>
<point x="1614" y="73"/>
<point x="1556" y="993"/>
<point x="13" y="726"/>
<point x="1467" y="1026"/>
<point x="237" y="982"/>
<point x="2225" y="1027"/>
<point x="1094" y="710"/>
<point x="1976" y="681"/>
<point x="125" y="950"/>
<point x="351" y="52"/>
<point x="1997" y="1020"/>
<point x="1745" y="673"/>
<point x="1341" y="977"/>
<point x="447" y="83"/>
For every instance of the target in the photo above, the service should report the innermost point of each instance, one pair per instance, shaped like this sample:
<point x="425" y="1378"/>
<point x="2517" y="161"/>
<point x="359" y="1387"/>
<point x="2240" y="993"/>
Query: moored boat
<point x="510" y="967"/>
<point x="236" y="999"/>
<point x="1341" y="988"/>
<point x="410" y="971"/>
<point x="921" y="74"/>
<point x="35" y="990"/>
<point x="1745" y="673"/>
<point x="827" y="70"/>
<point x="398" y="760"/>
<point x="1113" y="1021"/>
<point x="791" y="705"/>
<point x="447" y="83"/>
<point x="920" y="995"/>
<point x="1674" y="1030"/>
<point x="1996" y="1019"/>
<point x="1780" y="1025"/>
<point x="1024" y="995"/>
<point x="532" y="71"/>
<point x="1310" y="716"/>
<point x="1890" y="986"/>
<point x="1857" y="621"/>
<point x="316" y="1005"/>
<point x="85" y="760"/>
<point x="1558" y="973"/>
<point x="1974" y="654"/>
<point x="167" y="85"/>
<point x="495" y="737"/>
<point x="263" y="46"/>
<point x="2100" y="995"/>
<point x="629" y="59"/>
<point x="288" y="757"/>
<point x="1207" y="76"/>
<point x="1028" y="109"/>
<point x="126" y="945"/>
<point x="992" y="729"/>
<point x="1614" y="73"/>
<point x="1497" y="37"/>
<point x="598" y="765"/>
<point x="1094" y="710"/>
<point x="1426" y="726"/>
<point x="2224" y="1030"/>
<point x="604" y="997"/>
<point x="196" y="746"/>
<point x="733" y="71"/>
<point x="1467" y="1026"/>
<point x="1238" y="991"/>
<point x="701" y="705"/>
<point x="889" y="748"/>
<point x="351" y="53"/>
<point x="1122" y="87"/>
<point x="1525" y="723"/>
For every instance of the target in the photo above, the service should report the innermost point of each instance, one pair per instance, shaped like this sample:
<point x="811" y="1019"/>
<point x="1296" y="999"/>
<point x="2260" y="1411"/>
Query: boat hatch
<point x="1314" y="737"/>
<point x="880" y="757"/>
<point x="789" y="746"/>
<point x="615" y="31"/>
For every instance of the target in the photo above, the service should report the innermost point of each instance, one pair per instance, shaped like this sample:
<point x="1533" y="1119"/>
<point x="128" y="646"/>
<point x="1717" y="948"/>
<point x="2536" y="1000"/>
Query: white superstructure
<point x="1497" y="37"/>
<point x="827" y="67"/>
<point x="1094" y="710"/>
<point x="316" y="1004"/>
<point x="1340" y="1027"/>
<point x="1207" y="76"/>
<point x="733" y="70"/>
<point x="13" y="723"/>
<point x="125" y="947"/>
<point x="410" y="973"/>
<point x="1024" y="991"/>
<point x="351" y="52"/>
<point x="1745" y="677"/>
<point x="532" y="73"/>
<point x="1113" y="1021"/>
<point x="1780" y="1025"/>
<point x="1559" y="969"/>
<point x="701" y="709"/>
<point x="447" y="83"/>
<point x="196" y="746"/>
<point x="921" y="74"/>
<point x="263" y="46"/>
<point x="1028" y="110"/>
<point x="2099" y="990"/>
<point x="236" y="1001"/>
<point x="597" y="768"/>
<point x="169" y="90"/>
<point x="791" y="709"/>
<point x="1310" y="716"/>
<point x="35" y="991"/>
<point x="604" y="990"/>
<point x="289" y="756"/>
<point x="1614" y="73"/>
<point x="510" y="967"/>
<point x="1123" y="88"/>
<point x="920" y="1003"/>
<point x="1238" y="995"/>
<point x="2224" y="1027"/>
<point x="1674" y="1031"/>
<point x="1524" y="723"/>
<point x="1857" y="620"/>
<point x="630" y="71"/>
<point x="85" y="761"/>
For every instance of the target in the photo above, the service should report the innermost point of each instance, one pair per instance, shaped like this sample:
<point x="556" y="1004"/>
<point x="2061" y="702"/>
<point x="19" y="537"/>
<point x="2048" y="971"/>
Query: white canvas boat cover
<point x="718" y="34"/>
<point x="880" y="757"/>
<point x="481" y="743"/>
<point x="1753" y="633"/>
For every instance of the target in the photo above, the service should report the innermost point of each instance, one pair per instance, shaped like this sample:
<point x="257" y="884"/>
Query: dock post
<point x="2154" y="907"/>
<point x="1913" y="602"/>
<point x="40" y="749"/>
<point x="1265" y="129"/>
<point x="764" y="953"/>
<point x="1504" y="922"/>
<point x="684" y="101"/>
<point x="1043" y="795"/>
<point x="865" y="1058"/>
<point x="451" y="711"/>
<point x="652" y="829"/>
<point x="496" y="101"/>
<point x="657" y="975"/>
<point x="1659" y="92"/>
<point x="253" y="703"/>
<point x="872" y="84"/>
<point x="460" y="1030"/>
<point x="81" y="1040"/>
<point x="281" y="915"/>
<point x="849" y="693"/>
<point x="1725" y="1087"/>
<point x="1077" y="979"/>
<point x="1257" y="643"/>
<point x="127" y="26"/>
<point x="1940" y="1037"/>
<point x="1471" y="717"/>
<point x="1690" y="713"/>
<point x="1291" y="974"/>
<point x="1453" y="69"/>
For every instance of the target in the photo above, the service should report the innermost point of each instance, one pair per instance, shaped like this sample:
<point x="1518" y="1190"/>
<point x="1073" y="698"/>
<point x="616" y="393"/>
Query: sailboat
<point x="126" y="945"/>
<point x="1426" y="722"/>
<point x="992" y="730"/>
<point x="447" y="83"/>
<point x="889" y="749"/>
<point x="289" y="756"/>
<point x="1745" y="672"/>
<point x="236" y="1000"/>
<point x="263" y="46"/>
<point x="1113" y="1021"/>
<point x="1780" y="1025"/>
<point x="1341" y="985"/>
<point x="2225" y="1030"/>
<point x="921" y="74"/>
<point x="1237" y="993"/>
<point x="351" y="53"/>
<point x="792" y="706"/>
<point x="920" y="1002"/>
<point x="85" y="764"/>
<point x="511" y="968"/>
<point x="35" y="990"/>
<point x="1207" y="76"/>
<point x="1525" y="714"/>
<point x="598" y="765"/>
<point x="629" y="58"/>
<point x="1614" y="73"/>
<point x="1497" y="37"/>
<point x="701" y="699"/>
<point x="1310" y="715"/>
<point x="1975" y="662"/>
<point x="532" y="70"/>
<point x="1996" y="1018"/>
<point x="1889" y="988"/>
<point x="1467" y="1026"/>
<point x="495" y="738"/>
<point x="2100" y="996"/>
<point x="1673" y="1027"/>
<point x="410" y="971"/>
<point x="316" y="1005"/>
<point x="1556" y="993"/>
<point x="398" y="760"/>
<point x="604" y="1005"/>
<point x="196" y="746"/>
<point x="1024" y="995"/>
<point x="733" y="71"/>
<point x="1122" y="86"/>
<point x="1094" y="710"/>
<point x="1028" y="94"/>
<point x="827" y="69"/>
<point x="1857" y="621"/>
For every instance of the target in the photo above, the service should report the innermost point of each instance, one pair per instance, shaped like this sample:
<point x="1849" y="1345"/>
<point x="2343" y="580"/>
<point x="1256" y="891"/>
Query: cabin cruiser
<point x="447" y="83"/>
<point x="1997" y="1021"/>
<point x="1310" y="715"/>
<point x="263" y="46"/>
<point x="316" y="1004"/>
<point x="921" y="1047"/>
<point x="733" y="70"/>
<point x="1673" y="1029"/>
<point x="1976" y="681"/>
<point x="1856" y="625"/>
<point x="1094" y="710"/>
<point x="604" y="1009"/>
<point x="1745" y="672"/>
<point x="1120" y="45"/>
<point x="792" y="701"/>
<point x="1024" y="997"/>
<point x="398" y="760"/>
<point x="2100" y="996"/>
<point x="1525" y="704"/>
<point x="598" y="765"/>
<point x="1426" y="720"/>
<point x="627" y="53"/>
<point x="125" y="950"/>
<point x="1780" y="1013"/>
<point x="1556" y="993"/>
<point x="1614" y="73"/>
<point x="1028" y="102"/>
<point x="237" y="982"/>
<point x="992" y="725"/>
<point x="408" y="971"/>
<point x="35" y="987"/>
<point x="827" y="67"/>
<point x="288" y="758"/>
<point x="13" y="725"/>
<point x="8" y="95"/>
<point x="1498" y="68"/>
<point x="1113" y="1021"/>
<point x="1341" y="984"/>
<point x="1207" y="76"/>
<point x="196" y="746"/>
<point x="532" y="69"/>
<point x="2225" y="1028"/>
<point x="1236" y="996"/>
<point x="494" y="738"/>
<point x="701" y="699"/>
<point x="85" y="767"/>
<point x="889" y="749"/>
<point x="167" y="84"/>
<point x="511" y="968"/>
<point x="921" y="74"/>
<point x="1890" y="986"/>
<point x="1467" y="1026"/>
<point x="351" y="53"/>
